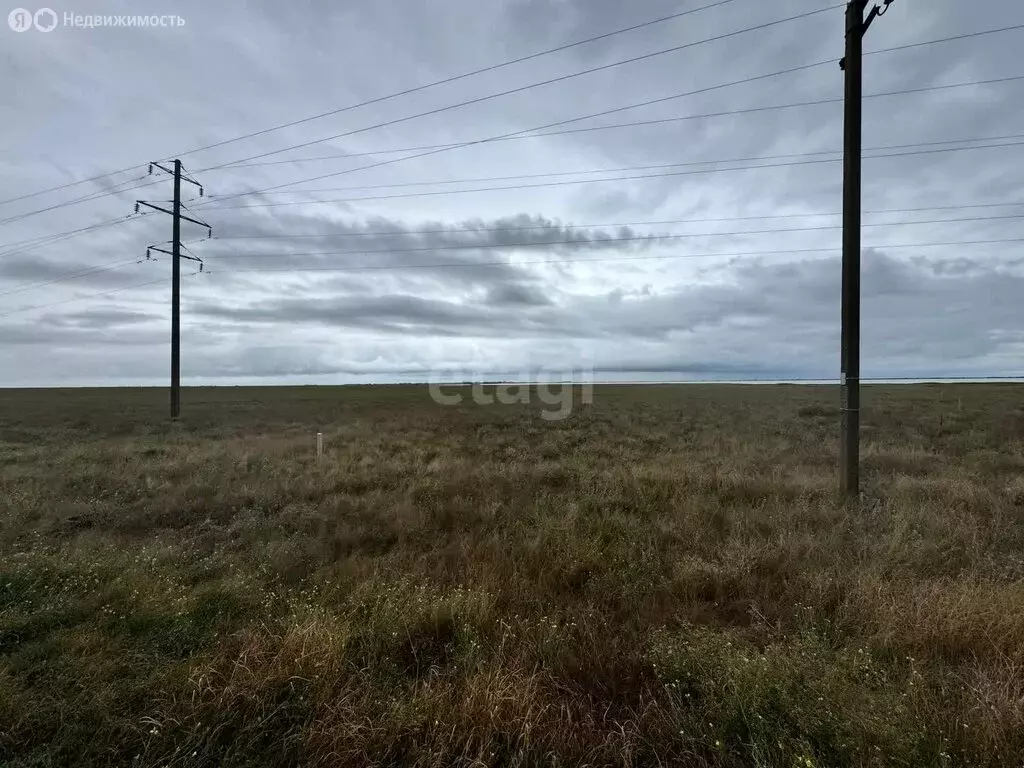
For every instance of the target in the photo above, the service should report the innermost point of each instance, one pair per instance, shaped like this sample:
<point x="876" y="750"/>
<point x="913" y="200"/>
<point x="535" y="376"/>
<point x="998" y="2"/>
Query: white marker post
<point x="319" y="446"/>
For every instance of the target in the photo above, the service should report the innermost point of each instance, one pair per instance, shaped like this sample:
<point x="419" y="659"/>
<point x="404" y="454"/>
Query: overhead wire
<point x="903" y="47"/>
<point x="602" y="259"/>
<point x="559" y="225"/>
<point x="601" y="113"/>
<point x="446" y="148"/>
<point x="11" y="249"/>
<point x="92" y="295"/>
<point x="75" y="201"/>
<point x="540" y="185"/>
<point x="630" y="124"/>
<point x="554" y="225"/>
<point x="74" y="275"/>
<point x="104" y="193"/>
<point x="595" y="241"/>
<point x="647" y="238"/>
<point x="540" y="83"/>
<point x="70" y="184"/>
<point x="386" y="97"/>
<point x="550" y="225"/>
<point x="552" y="262"/>
<point x="480" y="179"/>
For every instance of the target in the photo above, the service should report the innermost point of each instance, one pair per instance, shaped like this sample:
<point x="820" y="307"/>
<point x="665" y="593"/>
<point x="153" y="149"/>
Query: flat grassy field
<point x="665" y="577"/>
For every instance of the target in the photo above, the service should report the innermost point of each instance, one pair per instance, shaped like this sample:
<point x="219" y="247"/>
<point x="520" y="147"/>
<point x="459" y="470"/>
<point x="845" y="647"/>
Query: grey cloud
<point x="791" y="301"/>
<point x="517" y="295"/>
<point x="101" y="318"/>
<point x="468" y="253"/>
<point x="385" y="312"/>
<point x="300" y="233"/>
<point x="27" y="270"/>
<point x="77" y="338"/>
<point x="76" y="113"/>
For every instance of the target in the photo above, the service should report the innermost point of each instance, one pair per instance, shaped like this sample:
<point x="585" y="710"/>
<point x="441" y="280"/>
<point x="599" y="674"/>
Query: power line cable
<point x="538" y="84"/>
<point x="74" y="201"/>
<point x="707" y="89"/>
<point x="677" y="221"/>
<point x="104" y="268"/>
<point x="602" y="241"/>
<point x="40" y="238"/>
<point x="91" y="296"/>
<point x="94" y="196"/>
<point x="83" y="298"/>
<point x="439" y="82"/>
<point x="98" y="195"/>
<point x="631" y="124"/>
<point x="480" y="179"/>
<point x="595" y="241"/>
<point x="465" y="75"/>
<point x="559" y="225"/>
<point x="396" y="94"/>
<point x="70" y="276"/>
<point x="539" y="185"/>
<point x="39" y="242"/>
<point x="554" y="262"/>
<point x="86" y="199"/>
<point x="70" y="184"/>
<point x="965" y="36"/>
<point x="605" y="259"/>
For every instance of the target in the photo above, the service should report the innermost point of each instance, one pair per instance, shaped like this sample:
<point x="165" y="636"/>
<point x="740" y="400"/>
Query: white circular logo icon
<point x="45" y="20"/>
<point x="20" y="20"/>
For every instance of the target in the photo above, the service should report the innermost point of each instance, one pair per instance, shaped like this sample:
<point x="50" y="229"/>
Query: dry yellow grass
<point x="664" y="578"/>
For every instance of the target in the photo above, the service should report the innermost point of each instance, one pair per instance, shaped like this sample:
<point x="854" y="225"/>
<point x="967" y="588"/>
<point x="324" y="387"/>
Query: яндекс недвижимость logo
<point x="22" y="20"/>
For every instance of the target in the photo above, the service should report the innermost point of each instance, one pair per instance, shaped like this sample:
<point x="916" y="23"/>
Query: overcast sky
<point x="500" y="284"/>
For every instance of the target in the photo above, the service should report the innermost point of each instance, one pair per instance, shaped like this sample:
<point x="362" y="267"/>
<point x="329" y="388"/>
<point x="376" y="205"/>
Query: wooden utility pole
<point x="176" y="295"/>
<point x="849" y="443"/>
<point x="176" y="257"/>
